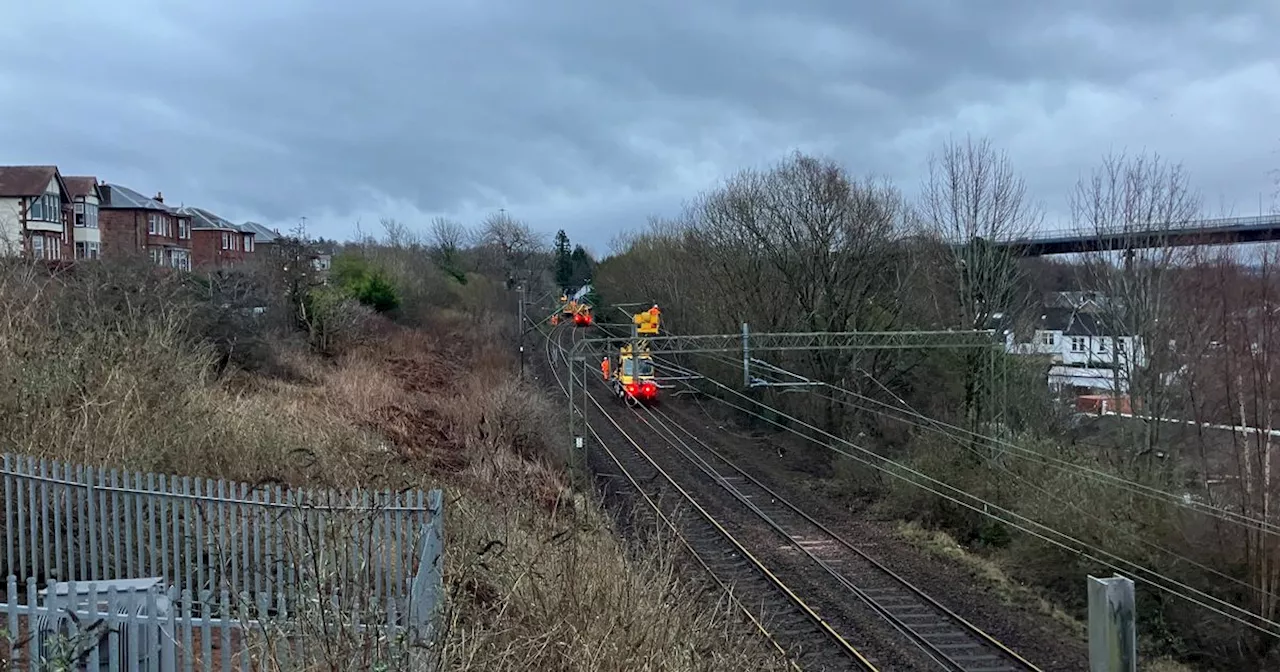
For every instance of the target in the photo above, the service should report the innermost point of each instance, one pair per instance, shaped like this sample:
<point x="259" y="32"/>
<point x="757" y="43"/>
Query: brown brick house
<point x="34" y="209"/>
<point x="217" y="242"/>
<point x="265" y="240"/>
<point x="85" y="237"/>
<point x="131" y="223"/>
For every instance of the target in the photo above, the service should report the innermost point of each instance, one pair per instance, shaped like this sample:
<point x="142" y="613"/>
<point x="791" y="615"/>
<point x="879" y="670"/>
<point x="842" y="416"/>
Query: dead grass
<point x="536" y="578"/>
<point x="989" y="573"/>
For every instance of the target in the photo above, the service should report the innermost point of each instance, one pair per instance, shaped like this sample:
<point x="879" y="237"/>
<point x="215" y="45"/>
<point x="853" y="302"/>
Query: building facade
<point x="1086" y="352"/>
<point x="132" y="224"/>
<point x="217" y="242"/>
<point x="34" y="209"/>
<point x="86" y="199"/>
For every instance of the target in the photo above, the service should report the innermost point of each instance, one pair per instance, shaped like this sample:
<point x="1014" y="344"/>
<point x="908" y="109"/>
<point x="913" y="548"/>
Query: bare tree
<point x="801" y="246"/>
<point x="447" y="239"/>
<point x="1127" y="202"/>
<point x="397" y="234"/>
<point x="974" y="203"/>
<point x="973" y="200"/>
<point x="1228" y="329"/>
<point x="515" y="243"/>
<point x="447" y="235"/>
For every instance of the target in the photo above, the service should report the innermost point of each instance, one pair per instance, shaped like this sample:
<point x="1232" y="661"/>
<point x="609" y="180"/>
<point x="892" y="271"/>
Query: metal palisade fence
<point x="171" y="568"/>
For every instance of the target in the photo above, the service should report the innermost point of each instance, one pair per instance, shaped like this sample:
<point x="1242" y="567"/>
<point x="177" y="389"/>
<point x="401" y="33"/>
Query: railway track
<point x="793" y="626"/>
<point x="943" y="637"/>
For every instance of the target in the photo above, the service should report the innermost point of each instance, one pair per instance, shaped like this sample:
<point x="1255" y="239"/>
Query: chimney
<point x="106" y="193"/>
<point x="159" y="197"/>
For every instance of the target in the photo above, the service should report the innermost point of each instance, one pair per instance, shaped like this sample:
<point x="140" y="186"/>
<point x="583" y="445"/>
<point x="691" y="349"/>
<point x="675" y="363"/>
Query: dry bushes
<point x="535" y="592"/>
<point x="109" y="366"/>
<point x="536" y="579"/>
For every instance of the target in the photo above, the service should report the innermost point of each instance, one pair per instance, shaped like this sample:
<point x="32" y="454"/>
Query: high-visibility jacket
<point x="604" y="367"/>
<point x="654" y="312"/>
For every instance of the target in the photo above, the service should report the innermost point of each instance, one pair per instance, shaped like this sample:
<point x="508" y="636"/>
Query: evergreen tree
<point x="581" y="265"/>
<point x="563" y="261"/>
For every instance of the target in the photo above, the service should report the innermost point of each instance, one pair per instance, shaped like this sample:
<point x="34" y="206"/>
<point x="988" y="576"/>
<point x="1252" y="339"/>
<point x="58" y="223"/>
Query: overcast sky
<point x="591" y="116"/>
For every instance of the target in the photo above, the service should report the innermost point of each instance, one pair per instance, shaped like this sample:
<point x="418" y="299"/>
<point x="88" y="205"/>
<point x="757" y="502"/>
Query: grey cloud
<point x="591" y="116"/>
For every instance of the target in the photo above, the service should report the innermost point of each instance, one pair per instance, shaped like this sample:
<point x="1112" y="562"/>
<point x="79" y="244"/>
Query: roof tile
<point x="124" y="198"/>
<point x="203" y="219"/>
<point x="80" y="185"/>
<point x="16" y="181"/>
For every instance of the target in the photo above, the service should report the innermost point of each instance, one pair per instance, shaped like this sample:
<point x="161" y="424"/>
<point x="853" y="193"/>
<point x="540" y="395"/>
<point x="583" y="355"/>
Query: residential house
<point x="1085" y="353"/>
<point x="1089" y="302"/>
<point x="264" y="239"/>
<point x="131" y="223"/>
<point x="321" y="262"/>
<point x="34" y="209"/>
<point x="218" y="242"/>
<point x="86" y="197"/>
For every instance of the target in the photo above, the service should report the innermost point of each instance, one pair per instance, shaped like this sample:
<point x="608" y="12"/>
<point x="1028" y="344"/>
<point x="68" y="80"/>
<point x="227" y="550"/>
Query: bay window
<point x="88" y="250"/>
<point x="86" y="215"/>
<point x="46" y="208"/>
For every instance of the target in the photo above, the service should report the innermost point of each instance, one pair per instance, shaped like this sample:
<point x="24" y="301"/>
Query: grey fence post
<point x="1113" y="645"/>
<point x="427" y="592"/>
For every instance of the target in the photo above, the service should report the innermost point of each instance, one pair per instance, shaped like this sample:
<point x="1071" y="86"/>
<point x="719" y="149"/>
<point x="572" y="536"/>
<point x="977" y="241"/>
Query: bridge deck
<point x="1221" y="231"/>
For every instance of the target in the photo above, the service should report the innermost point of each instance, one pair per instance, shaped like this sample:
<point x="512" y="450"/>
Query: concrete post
<point x="1113" y="645"/>
<point x="746" y="357"/>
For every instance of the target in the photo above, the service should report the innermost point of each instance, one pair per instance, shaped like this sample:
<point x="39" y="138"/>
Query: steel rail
<point x="822" y="627"/>
<point x="955" y="642"/>
<point x="950" y="639"/>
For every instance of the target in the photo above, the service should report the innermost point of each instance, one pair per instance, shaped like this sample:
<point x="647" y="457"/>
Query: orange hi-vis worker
<point x="604" y="367"/>
<point x="654" y="311"/>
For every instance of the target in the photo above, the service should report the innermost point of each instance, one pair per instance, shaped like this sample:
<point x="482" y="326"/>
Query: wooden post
<point x="1113" y="643"/>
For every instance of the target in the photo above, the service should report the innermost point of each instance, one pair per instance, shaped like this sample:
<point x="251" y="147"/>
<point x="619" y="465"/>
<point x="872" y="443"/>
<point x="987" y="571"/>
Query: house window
<point x="88" y="250"/>
<point x="1077" y="344"/>
<point x="248" y="243"/>
<point x="46" y="208"/>
<point x="226" y="240"/>
<point x="153" y="224"/>
<point x="180" y="259"/>
<point x="53" y="248"/>
<point x="1120" y="345"/>
<point x="1102" y="345"/>
<point x="1048" y="338"/>
<point x="157" y="256"/>
<point x="184" y="232"/>
<point x="37" y="247"/>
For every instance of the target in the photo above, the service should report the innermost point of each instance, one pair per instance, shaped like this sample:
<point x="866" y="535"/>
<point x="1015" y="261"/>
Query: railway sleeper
<point x="987" y="663"/>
